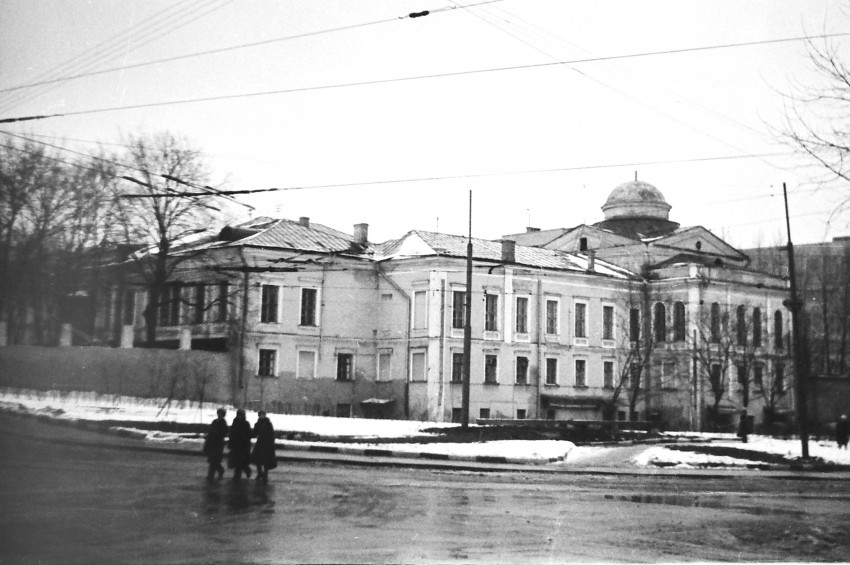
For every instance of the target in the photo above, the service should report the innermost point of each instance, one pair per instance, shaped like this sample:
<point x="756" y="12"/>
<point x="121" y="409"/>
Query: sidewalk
<point x="81" y="432"/>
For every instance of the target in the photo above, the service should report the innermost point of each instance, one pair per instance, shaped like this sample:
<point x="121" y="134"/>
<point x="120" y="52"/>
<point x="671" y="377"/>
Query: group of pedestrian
<point x="240" y="455"/>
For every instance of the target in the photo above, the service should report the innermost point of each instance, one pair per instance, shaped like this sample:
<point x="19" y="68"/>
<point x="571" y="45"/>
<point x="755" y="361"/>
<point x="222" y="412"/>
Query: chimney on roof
<point x="304" y="221"/>
<point x="361" y="234"/>
<point x="508" y="251"/>
<point x="591" y="259"/>
<point x="530" y="229"/>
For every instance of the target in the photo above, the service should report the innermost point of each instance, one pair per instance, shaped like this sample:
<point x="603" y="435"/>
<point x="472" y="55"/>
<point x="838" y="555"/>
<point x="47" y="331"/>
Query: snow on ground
<point x="93" y="406"/>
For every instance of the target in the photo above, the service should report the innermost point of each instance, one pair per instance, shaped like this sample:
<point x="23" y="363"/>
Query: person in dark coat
<point x="239" y="442"/>
<point x="214" y="445"/>
<point x="842" y="431"/>
<point x="264" y="456"/>
<point x="743" y="427"/>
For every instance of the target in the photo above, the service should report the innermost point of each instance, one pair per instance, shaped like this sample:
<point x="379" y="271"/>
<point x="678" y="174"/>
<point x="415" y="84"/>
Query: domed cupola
<point x="637" y="209"/>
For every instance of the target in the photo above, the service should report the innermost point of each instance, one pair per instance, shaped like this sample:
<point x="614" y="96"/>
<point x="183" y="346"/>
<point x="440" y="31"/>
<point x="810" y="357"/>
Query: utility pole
<point x="467" y="325"/>
<point x="801" y="369"/>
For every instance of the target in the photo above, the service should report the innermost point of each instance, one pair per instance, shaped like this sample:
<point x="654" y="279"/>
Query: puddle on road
<point x="697" y="501"/>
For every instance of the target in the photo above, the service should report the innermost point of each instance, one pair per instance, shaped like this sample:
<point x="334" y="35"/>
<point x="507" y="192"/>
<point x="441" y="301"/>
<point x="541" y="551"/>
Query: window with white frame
<point x="551" y="371"/>
<point x="419" y="310"/>
<point x="608" y="374"/>
<point x="267" y="366"/>
<point x="458" y="309"/>
<point x="607" y="322"/>
<point x="581" y="372"/>
<point x="385" y="365"/>
<point x="522" y="370"/>
<point x="269" y="304"/>
<point x="491" y="368"/>
<point x="552" y="318"/>
<point x="306" y="368"/>
<point x="522" y="314"/>
<point x="418" y="366"/>
<point x="344" y="366"/>
<point x="491" y="312"/>
<point x="457" y="367"/>
<point x="309" y="307"/>
<point x="581" y="323"/>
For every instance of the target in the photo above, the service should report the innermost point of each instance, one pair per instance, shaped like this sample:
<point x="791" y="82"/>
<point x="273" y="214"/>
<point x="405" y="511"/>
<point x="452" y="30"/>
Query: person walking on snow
<point x="214" y="445"/>
<point x="842" y="431"/>
<point x="743" y="426"/>
<point x="264" y="456"/>
<point x="239" y="442"/>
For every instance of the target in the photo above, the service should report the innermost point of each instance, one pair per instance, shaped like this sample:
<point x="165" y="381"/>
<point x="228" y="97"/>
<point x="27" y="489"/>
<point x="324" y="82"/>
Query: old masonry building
<point x="633" y="317"/>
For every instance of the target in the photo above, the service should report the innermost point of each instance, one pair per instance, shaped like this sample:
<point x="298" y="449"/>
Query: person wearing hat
<point x="214" y="445"/>
<point x="842" y="431"/>
<point x="239" y="442"/>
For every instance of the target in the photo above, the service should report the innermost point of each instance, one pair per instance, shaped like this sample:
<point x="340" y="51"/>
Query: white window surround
<point x="275" y="360"/>
<point x="581" y="341"/>
<point x="419" y="314"/>
<point x="522" y="314"/>
<point x="547" y="326"/>
<point x="612" y="341"/>
<point x="318" y="306"/>
<point x="302" y="356"/>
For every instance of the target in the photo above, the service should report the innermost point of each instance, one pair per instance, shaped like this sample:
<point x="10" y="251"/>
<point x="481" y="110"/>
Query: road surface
<point x="70" y="503"/>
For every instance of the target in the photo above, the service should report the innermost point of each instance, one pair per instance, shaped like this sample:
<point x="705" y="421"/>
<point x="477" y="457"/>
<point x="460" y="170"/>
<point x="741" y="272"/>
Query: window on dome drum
<point x="522" y="370"/>
<point x="268" y="360"/>
<point x="679" y="321"/>
<point x="757" y="327"/>
<point x="491" y="312"/>
<point x="608" y="374"/>
<point x="778" y="337"/>
<point x="491" y="363"/>
<point x="458" y="309"/>
<point x="607" y="322"/>
<point x="309" y="310"/>
<point x="581" y="320"/>
<point x="344" y="366"/>
<point x="634" y="324"/>
<point x="551" y="371"/>
<point x="660" y="320"/>
<point x="552" y="317"/>
<point x="714" y="322"/>
<point x="581" y="372"/>
<point x="741" y="319"/>
<point x="268" y="308"/>
<point x="522" y="314"/>
<point x="457" y="367"/>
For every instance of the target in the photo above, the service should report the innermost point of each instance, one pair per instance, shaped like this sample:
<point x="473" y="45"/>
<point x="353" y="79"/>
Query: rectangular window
<point x="581" y="372"/>
<point x="491" y="365"/>
<point x="344" y="366"/>
<point x="269" y="306"/>
<point x="385" y="365"/>
<point x="668" y="375"/>
<point x="457" y="367"/>
<point x="419" y="318"/>
<point x="716" y="377"/>
<point x="757" y="327"/>
<point x="552" y="317"/>
<point x="551" y="371"/>
<point x="679" y="321"/>
<point x="758" y="375"/>
<point x="129" y="308"/>
<point x="521" y="414"/>
<point x="608" y="322"/>
<point x="309" y="309"/>
<point x="268" y="360"/>
<point x="306" y="365"/>
<point x="741" y="371"/>
<point x="169" y="305"/>
<point x="522" y="314"/>
<point x="581" y="320"/>
<point x="221" y="307"/>
<point x="418" y="366"/>
<point x="522" y="370"/>
<point x="458" y="309"/>
<point x="491" y="312"/>
<point x="199" y="304"/>
<point x="608" y="374"/>
<point x="484" y="413"/>
<point x="779" y="378"/>
<point x="634" y="324"/>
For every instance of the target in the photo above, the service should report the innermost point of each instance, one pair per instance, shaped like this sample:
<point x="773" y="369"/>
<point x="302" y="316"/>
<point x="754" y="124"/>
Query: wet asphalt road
<point x="67" y="503"/>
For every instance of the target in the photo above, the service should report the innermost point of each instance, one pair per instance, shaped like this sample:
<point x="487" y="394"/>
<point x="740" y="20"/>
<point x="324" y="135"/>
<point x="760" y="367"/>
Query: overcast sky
<point x="538" y="139"/>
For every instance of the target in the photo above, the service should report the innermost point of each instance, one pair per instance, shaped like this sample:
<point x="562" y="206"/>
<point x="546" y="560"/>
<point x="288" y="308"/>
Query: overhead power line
<point x="422" y="77"/>
<point x="126" y="67"/>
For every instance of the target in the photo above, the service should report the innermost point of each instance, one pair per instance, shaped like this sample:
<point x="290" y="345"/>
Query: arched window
<point x="778" y="337"/>
<point x="741" y="318"/>
<point x="756" y="327"/>
<point x="715" y="322"/>
<point x="679" y="321"/>
<point x="660" y="322"/>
